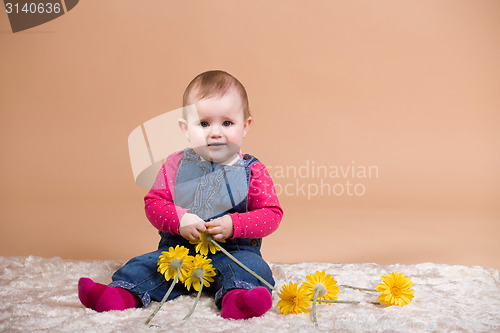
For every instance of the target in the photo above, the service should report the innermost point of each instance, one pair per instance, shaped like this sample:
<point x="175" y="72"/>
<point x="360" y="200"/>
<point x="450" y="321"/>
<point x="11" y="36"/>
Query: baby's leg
<point x="239" y="294"/>
<point x="244" y="304"/>
<point x="100" y="297"/>
<point x="138" y="277"/>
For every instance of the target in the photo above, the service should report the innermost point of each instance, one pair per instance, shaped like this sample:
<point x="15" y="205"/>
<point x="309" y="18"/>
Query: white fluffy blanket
<point x="40" y="295"/>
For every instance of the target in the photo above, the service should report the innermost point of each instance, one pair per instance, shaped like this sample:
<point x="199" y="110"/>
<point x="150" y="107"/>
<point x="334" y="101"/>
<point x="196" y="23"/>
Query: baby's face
<point x="217" y="127"/>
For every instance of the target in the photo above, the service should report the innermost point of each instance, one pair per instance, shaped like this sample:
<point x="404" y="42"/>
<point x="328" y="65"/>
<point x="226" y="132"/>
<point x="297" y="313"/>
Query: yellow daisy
<point x="204" y="244"/>
<point x="395" y="290"/>
<point x="323" y="283"/>
<point x="201" y="270"/>
<point x="293" y="299"/>
<point x="175" y="259"/>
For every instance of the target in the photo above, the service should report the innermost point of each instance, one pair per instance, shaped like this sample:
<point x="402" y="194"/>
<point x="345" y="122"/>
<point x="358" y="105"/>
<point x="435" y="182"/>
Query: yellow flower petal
<point x="313" y="280"/>
<point x="203" y="262"/>
<point x="166" y="258"/>
<point x="293" y="299"/>
<point x="395" y="290"/>
<point x="204" y="244"/>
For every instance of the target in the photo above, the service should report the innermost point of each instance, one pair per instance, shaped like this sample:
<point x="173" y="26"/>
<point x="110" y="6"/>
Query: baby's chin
<point x="219" y="155"/>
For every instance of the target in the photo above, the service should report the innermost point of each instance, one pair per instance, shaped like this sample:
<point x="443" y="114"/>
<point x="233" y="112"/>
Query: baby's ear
<point x="246" y="125"/>
<point x="184" y="127"/>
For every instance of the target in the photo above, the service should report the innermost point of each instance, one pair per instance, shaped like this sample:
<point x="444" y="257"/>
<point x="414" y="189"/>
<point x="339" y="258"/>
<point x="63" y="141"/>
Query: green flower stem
<point x="346" y="302"/>
<point x="243" y="266"/>
<point x="195" y="302"/>
<point x="315" y="298"/>
<point x="164" y="297"/>
<point x="362" y="289"/>
<point x="334" y="301"/>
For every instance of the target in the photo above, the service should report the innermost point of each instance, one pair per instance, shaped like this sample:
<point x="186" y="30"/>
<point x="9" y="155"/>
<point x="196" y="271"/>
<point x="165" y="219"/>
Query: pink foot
<point x="100" y="297"/>
<point x="244" y="304"/>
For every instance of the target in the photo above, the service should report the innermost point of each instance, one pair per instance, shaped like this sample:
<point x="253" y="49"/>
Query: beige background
<point x="410" y="87"/>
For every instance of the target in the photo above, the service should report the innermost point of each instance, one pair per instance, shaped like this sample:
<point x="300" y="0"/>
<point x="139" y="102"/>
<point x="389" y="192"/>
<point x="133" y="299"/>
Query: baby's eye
<point x="204" y="124"/>
<point x="227" y="123"/>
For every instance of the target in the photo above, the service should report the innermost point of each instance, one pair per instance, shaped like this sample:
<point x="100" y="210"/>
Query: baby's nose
<point x="215" y="131"/>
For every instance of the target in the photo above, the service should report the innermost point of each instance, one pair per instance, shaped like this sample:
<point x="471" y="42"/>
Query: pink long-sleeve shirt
<point x="263" y="214"/>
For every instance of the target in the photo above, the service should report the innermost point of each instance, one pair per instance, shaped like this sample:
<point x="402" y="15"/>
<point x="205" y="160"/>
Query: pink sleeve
<point x="264" y="211"/>
<point x="161" y="211"/>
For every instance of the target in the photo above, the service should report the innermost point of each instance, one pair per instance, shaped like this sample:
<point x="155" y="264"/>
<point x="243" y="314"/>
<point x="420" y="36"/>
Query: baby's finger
<point x="212" y="224"/>
<point x="210" y="231"/>
<point x="201" y="227"/>
<point x="218" y="237"/>
<point x="213" y="231"/>
<point x="194" y="235"/>
<point x="189" y="237"/>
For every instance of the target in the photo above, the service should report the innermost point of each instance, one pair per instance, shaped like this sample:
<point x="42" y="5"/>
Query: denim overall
<point x="210" y="190"/>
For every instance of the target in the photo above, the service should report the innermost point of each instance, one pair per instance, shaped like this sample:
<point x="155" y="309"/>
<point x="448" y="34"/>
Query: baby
<point x="208" y="188"/>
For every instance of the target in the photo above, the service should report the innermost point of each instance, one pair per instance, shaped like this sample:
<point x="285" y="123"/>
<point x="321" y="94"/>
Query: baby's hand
<point x="191" y="226"/>
<point x="192" y="232"/>
<point x="221" y="228"/>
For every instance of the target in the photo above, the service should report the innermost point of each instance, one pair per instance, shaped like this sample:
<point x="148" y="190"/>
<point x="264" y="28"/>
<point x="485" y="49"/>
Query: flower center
<point x="206" y="238"/>
<point x="175" y="264"/>
<point x="321" y="289"/>
<point x="198" y="273"/>
<point x="395" y="291"/>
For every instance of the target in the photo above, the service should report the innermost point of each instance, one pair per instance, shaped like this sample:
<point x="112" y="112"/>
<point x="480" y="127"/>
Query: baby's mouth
<point x="216" y="146"/>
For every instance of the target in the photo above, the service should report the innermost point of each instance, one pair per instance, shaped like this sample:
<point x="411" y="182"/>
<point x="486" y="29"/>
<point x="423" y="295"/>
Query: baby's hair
<point x="215" y="83"/>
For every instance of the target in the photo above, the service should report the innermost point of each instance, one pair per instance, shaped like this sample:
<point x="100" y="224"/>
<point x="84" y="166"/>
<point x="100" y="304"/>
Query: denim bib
<point x="212" y="190"/>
